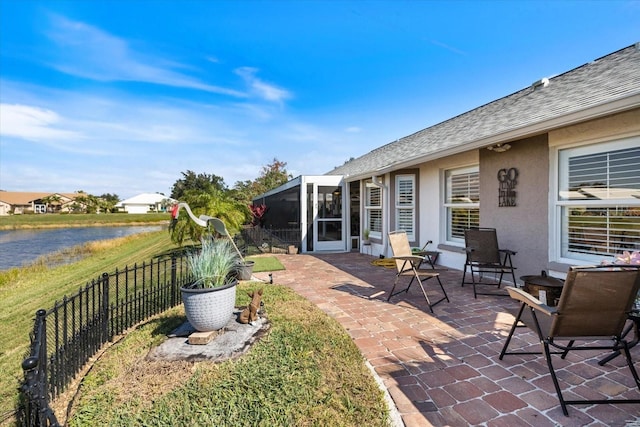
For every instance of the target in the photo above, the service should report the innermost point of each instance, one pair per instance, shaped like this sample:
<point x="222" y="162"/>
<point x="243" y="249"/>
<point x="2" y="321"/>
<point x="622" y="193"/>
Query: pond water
<point x="20" y="247"/>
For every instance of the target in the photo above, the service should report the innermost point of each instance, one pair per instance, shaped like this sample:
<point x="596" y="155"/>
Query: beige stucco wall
<point x="524" y="227"/>
<point x="620" y="125"/>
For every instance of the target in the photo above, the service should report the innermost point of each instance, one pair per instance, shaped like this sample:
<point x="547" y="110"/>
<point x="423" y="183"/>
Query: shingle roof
<point x="26" y="197"/>
<point x="568" y="98"/>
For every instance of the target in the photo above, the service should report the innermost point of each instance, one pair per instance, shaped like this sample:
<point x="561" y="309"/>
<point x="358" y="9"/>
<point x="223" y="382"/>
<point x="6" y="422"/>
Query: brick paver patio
<point x="442" y="369"/>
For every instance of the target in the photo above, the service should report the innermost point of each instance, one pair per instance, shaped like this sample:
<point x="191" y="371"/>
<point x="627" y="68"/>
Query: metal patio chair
<point x="485" y="256"/>
<point x="407" y="265"/>
<point x="594" y="306"/>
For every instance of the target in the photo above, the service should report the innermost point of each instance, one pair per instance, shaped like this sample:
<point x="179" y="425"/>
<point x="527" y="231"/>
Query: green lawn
<point x="25" y="290"/>
<point x="305" y="372"/>
<point x="265" y="263"/>
<point x="78" y="220"/>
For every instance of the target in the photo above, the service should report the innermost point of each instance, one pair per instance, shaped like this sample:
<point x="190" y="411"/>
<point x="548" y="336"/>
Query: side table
<point x="430" y="256"/>
<point x="366" y="248"/>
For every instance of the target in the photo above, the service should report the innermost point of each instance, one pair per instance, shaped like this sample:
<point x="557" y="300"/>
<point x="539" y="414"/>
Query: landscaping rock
<point x="234" y="340"/>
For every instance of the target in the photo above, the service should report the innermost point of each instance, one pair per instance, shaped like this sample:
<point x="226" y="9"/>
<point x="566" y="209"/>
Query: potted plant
<point x="245" y="269"/>
<point x="209" y="301"/>
<point x="366" y="241"/>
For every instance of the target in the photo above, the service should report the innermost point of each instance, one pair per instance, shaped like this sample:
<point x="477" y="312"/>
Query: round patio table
<point x="546" y="289"/>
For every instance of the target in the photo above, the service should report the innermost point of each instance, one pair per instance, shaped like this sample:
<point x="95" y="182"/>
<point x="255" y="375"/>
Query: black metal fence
<point x="272" y="240"/>
<point x="65" y="337"/>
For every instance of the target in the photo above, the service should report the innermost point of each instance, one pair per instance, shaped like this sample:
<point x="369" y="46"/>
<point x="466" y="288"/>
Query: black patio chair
<point x="594" y="306"/>
<point x="407" y="265"/>
<point x="485" y="256"/>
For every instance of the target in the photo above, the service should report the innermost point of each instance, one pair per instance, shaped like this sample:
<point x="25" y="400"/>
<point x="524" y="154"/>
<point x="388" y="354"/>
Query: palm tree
<point x="52" y="201"/>
<point x="215" y="204"/>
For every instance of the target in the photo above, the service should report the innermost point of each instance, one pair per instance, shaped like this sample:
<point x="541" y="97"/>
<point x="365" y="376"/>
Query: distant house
<point x="21" y="202"/>
<point x="145" y="203"/>
<point x="552" y="167"/>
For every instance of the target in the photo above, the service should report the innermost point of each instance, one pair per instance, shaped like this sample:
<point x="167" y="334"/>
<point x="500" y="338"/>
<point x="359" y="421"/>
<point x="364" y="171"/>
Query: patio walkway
<point x="442" y="369"/>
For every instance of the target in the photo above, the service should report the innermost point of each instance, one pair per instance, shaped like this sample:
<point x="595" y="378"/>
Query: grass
<point x="265" y="263"/>
<point x="12" y="222"/>
<point x="25" y="290"/>
<point x="305" y="372"/>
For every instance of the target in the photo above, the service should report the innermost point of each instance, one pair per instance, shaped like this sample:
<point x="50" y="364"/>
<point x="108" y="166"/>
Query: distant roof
<point x="607" y="85"/>
<point x="145" y="199"/>
<point x="26" y="197"/>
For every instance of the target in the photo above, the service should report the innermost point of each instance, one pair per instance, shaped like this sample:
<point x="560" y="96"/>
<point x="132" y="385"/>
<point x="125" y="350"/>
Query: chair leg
<point x="616" y="353"/>
<point x="513" y="329"/>
<point x="627" y="355"/>
<point x="442" y="287"/>
<point x="426" y="296"/>
<point x="393" y="288"/>
<point x="565" y="352"/>
<point x="473" y="280"/>
<point x="464" y="274"/>
<point x="547" y="355"/>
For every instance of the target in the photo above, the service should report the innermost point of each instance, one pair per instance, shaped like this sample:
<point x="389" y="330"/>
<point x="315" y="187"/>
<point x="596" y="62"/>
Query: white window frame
<point x="448" y="206"/>
<point x="372" y="208"/>
<point x="559" y="164"/>
<point x="406" y="205"/>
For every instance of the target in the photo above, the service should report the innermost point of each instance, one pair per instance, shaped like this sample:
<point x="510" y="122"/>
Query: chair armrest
<point x="410" y="258"/>
<point x="530" y="300"/>
<point x="426" y="244"/>
<point x="508" y="251"/>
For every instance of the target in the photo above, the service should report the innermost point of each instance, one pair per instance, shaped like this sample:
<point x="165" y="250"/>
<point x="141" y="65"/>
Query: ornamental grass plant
<point x="214" y="265"/>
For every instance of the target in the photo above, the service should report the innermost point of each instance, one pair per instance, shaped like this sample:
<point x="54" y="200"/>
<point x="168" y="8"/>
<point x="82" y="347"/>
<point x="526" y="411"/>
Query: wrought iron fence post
<point x="105" y="308"/>
<point x="35" y="387"/>
<point x="174" y="279"/>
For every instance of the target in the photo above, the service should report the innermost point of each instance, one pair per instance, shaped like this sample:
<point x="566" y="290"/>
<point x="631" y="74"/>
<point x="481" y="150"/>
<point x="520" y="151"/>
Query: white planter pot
<point x="209" y="309"/>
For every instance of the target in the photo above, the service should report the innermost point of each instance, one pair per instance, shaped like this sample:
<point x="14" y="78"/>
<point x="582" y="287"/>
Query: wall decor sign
<point x="507" y="179"/>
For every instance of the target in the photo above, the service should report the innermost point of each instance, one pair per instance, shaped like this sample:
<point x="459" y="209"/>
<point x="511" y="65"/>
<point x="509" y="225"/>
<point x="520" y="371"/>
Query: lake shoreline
<point x="25" y="246"/>
<point x="80" y="224"/>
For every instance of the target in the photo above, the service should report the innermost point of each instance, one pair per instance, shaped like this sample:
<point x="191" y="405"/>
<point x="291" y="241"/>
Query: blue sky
<point x="121" y="96"/>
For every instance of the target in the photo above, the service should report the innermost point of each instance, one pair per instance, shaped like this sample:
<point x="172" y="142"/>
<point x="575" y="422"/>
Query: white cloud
<point x="89" y="52"/>
<point x="262" y="89"/>
<point x="353" y="129"/>
<point x="32" y="123"/>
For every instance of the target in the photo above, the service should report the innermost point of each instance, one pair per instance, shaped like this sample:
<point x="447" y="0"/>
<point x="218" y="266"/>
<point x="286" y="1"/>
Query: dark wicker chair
<point x="485" y="256"/>
<point x="407" y="265"/>
<point x="594" y="306"/>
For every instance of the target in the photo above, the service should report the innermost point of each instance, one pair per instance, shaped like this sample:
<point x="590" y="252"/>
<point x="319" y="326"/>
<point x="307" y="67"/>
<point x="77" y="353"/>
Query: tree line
<point x="209" y="195"/>
<point x="205" y="193"/>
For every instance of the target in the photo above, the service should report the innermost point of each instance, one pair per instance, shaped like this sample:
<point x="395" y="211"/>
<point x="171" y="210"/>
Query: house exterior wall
<point x="5" y="208"/>
<point x="136" y="209"/>
<point x="523" y="227"/>
<point x="526" y="227"/>
<point x="432" y="213"/>
<point x="620" y="125"/>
